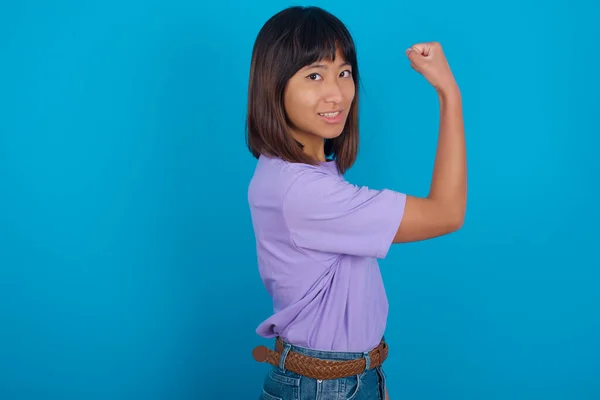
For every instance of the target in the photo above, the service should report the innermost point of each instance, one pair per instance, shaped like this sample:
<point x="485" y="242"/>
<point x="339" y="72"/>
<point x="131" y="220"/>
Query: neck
<point x="314" y="146"/>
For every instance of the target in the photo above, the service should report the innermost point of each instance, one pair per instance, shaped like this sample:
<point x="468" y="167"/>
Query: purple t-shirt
<point x="318" y="238"/>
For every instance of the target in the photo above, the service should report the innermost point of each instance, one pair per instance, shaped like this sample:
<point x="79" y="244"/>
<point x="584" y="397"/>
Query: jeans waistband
<point x="325" y="354"/>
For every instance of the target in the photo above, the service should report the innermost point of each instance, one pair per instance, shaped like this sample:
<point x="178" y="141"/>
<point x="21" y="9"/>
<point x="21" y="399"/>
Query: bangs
<point x="315" y="37"/>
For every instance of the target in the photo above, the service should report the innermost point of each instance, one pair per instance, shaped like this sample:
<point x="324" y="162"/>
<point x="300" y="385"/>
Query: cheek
<point x="349" y="92"/>
<point x="299" y="102"/>
<point x="289" y="102"/>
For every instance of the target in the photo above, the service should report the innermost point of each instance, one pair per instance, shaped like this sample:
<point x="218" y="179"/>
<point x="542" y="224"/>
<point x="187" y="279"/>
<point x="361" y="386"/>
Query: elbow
<point x="458" y="224"/>
<point x="457" y="221"/>
<point x="458" y="215"/>
<point x="452" y="213"/>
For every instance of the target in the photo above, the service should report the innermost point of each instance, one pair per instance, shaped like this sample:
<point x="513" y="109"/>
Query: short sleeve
<point x="326" y="213"/>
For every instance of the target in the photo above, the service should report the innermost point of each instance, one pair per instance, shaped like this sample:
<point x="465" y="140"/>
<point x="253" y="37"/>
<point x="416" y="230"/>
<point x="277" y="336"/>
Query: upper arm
<point x="426" y="218"/>
<point x="327" y="214"/>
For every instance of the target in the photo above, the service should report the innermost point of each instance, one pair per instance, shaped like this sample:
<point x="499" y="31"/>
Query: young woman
<point x="318" y="236"/>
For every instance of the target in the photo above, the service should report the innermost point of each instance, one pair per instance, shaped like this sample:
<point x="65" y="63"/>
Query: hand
<point x="429" y="60"/>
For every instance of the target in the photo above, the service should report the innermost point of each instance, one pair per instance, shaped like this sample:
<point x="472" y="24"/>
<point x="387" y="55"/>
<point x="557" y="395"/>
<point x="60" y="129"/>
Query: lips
<point x="331" y="117"/>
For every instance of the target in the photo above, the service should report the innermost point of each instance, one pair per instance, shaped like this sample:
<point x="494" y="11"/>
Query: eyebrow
<point x="323" y="66"/>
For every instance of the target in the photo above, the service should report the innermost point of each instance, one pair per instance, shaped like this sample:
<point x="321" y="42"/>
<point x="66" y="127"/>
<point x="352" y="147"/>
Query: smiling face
<point x="303" y="89"/>
<point x="317" y="101"/>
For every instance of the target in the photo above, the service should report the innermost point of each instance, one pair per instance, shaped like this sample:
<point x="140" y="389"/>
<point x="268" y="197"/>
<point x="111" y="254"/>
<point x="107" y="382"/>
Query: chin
<point x="332" y="132"/>
<point x="329" y="135"/>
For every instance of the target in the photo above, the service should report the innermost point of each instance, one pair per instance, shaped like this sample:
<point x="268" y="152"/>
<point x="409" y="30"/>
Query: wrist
<point x="448" y="92"/>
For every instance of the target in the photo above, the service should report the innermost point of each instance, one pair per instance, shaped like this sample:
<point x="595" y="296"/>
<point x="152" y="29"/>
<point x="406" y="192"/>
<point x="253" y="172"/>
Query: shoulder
<point x="273" y="178"/>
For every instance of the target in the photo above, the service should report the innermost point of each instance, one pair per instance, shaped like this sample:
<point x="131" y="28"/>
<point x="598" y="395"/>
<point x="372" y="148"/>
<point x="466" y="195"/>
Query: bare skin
<point x="443" y="210"/>
<point x="322" y="87"/>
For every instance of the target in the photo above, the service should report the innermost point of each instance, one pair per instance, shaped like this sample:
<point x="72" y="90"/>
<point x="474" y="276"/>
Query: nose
<point x="333" y="92"/>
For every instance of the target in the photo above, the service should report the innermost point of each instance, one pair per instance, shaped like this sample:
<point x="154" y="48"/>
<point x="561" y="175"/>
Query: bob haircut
<point x="288" y="41"/>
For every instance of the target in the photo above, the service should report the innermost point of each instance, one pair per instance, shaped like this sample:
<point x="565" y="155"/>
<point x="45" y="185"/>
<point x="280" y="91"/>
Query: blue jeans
<point x="281" y="384"/>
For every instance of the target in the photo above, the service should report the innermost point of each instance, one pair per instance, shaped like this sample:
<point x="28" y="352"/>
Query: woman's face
<point x="317" y="99"/>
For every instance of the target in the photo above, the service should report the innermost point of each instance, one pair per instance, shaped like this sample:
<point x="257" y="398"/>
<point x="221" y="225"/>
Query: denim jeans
<point x="281" y="384"/>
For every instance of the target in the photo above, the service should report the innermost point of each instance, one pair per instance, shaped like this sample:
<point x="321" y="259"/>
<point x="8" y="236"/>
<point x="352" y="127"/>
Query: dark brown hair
<point x="289" y="41"/>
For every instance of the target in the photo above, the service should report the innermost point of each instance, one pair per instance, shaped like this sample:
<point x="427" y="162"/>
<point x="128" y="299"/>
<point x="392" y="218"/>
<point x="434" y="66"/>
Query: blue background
<point x="127" y="259"/>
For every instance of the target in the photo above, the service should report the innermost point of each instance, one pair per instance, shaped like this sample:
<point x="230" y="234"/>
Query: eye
<point x="314" y="76"/>
<point x="347" y="72"/>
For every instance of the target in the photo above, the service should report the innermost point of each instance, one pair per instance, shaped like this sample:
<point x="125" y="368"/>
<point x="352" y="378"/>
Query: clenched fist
<point x="429" y="60"/>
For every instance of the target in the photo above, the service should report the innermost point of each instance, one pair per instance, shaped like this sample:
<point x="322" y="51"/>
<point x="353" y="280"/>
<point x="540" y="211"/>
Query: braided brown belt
<point x="317" y="368"/>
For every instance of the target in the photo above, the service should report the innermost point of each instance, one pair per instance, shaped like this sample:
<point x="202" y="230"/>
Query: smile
<point x="330" y="114"/>
<point x="334" y="117"/>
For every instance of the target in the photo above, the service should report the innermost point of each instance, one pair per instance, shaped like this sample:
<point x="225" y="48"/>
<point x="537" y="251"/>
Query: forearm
<point x="449" y="180"/>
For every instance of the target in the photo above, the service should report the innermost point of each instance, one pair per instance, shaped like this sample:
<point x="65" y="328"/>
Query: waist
<point x="320" y="364"/>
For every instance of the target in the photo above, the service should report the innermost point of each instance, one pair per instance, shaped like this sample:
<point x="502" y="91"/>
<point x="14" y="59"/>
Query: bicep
<point x="426" y="218"/>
